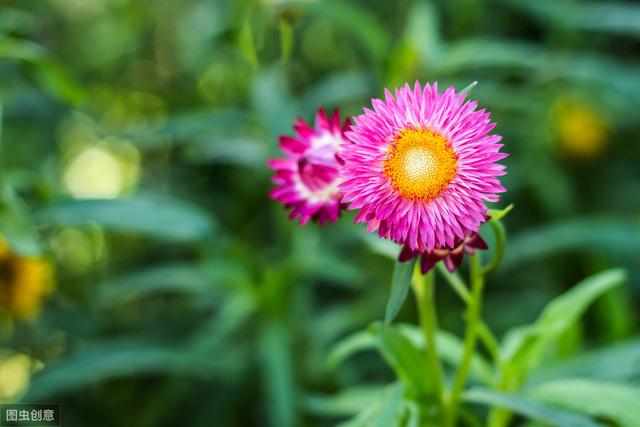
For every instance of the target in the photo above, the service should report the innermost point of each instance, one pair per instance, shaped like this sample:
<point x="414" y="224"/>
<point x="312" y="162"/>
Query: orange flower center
<point x="420" y="163"/>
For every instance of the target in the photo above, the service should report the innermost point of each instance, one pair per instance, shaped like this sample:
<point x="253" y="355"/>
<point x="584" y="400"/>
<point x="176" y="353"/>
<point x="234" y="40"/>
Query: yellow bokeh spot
<point x="420" y="163"/>
<point x="96" y="172"/>
<point x="15" y="372"/>
<point x="581" y="132"/>
<point x="24" y="282"/>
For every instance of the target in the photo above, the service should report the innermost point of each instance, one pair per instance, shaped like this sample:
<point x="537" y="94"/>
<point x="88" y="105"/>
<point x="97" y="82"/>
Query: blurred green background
<point x="134" y="141"/>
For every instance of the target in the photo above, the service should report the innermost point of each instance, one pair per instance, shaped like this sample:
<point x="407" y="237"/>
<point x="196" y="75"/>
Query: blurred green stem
<point x="484" y="333"/>
<point x="423" y="287"/>
<point x="473" y="324"/>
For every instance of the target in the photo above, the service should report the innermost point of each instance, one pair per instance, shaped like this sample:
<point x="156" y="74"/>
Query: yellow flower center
<point x="420" y="163"/>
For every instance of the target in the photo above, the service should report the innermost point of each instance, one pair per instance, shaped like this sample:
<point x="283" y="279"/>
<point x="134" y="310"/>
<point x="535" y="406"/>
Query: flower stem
<point x="471" y="334"/>
<point x="423" y="287"/>
<point x="459" y="286"/>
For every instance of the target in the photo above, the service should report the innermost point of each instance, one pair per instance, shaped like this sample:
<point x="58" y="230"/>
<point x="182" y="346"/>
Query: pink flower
<point x="307" y="177"/>
<point x="421" y="166"/>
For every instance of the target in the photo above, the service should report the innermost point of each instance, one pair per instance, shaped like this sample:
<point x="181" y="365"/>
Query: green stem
<point x="484" y="333"/>
<point x="471" y="333"/>
<point x="423" y="287"/>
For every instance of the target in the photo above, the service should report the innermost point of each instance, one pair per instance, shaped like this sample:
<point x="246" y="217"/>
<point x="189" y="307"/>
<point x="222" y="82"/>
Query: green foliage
<point x="529" y="409"/>
<point x="181" y="288"/>
<point x="400" y="284"/>
<point x="154" y="216"/>
<point x="607" y="401"/>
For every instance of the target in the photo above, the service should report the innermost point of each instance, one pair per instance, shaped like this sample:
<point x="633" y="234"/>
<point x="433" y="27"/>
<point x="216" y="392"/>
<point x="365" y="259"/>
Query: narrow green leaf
<point x="356" y="20"/>
<point x="278" y="375"/>
<point x="560" y="314"/>
<point x="616" y="403"/>
<point x="450" y="350"/>
<point x="355" y="343"/>
<point x="400" y="284"/>
<point x="273" y="102"/>
<point x="110" y="360"/>
<point x="247" y="44"/>
<point x="585" y="67"/>
<point x="16" y="223"/>
<point x="404" y="357"/>
<point x="158" y="216"/>
<point x="336" y="89"/>
<point x="528" y="408"/>
<point x="605" y="17"/>
<point x="498" y="214"/>
<point x="389" y="413"/>
<point x="524" y="347"/>
<point x="617" y="362"/>
<point x="286" y="38"/>
<point x="344" y="403"/>
<point x="366" y="415"/>
<point x="186" y="279"/>
<point x="567" y="308"/>
<point x="469" y="88"/>
<point x="620" y="238"/>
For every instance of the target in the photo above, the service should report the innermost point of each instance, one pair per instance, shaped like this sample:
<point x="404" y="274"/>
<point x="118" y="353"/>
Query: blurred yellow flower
<point x="581" y="132"/>
<point x="24" y="282"/>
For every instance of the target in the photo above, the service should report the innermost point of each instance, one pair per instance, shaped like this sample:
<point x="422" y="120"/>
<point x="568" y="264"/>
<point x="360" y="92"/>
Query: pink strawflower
<point x="420" y="167"/>
<point x="307" y="178"/>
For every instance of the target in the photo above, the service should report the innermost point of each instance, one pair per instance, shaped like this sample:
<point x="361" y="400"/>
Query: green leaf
<point x="587" y="68"/>
<point x="400" y="284"/>
<point x="273" y="103"/>
<point x="567" y="308"/>
<point x="407" y="361"/>
<point x="337" y="89"/>
<point x="247" y="44"/>
<point x="357" y="20"/>
<point x="524" y="347"/>
<point x="469" y="88"/>
<point x="344" y="403"/>
<point x="616" y="403"/>
<point x="355" y="343"/>
<point x="239" y="151"/>
<point x="450" y="350"/>
<point x="498" y="214"/>
<point x="278" y="375"/>
<point x="49" y="73"/>
<point x="286" y="38"/>
<point x="390" y="411"/>
<point x="382" y="411"/>
<point x="109" y="360"/>
<point x="616" y="362"/>
<point x="592" y="16"/>
<point x="585" y="234"/>
<point x="188" y="126"/>
<point x="16" y="223"/>
<point x="157" y="216"/>
<point x="529" y="409"/>
<point x="187" y="279"/>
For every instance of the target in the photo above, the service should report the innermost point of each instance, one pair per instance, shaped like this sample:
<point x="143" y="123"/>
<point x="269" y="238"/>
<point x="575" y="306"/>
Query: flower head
<point x="307" y="177"/>
<point x="420" y="166"/>
<point x="24" y="282"/>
